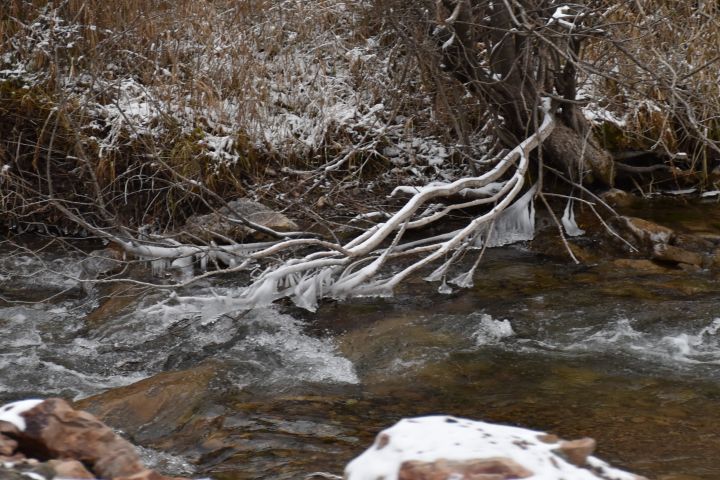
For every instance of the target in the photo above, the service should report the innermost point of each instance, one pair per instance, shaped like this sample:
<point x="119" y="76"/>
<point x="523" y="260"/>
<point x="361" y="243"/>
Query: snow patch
<point x="12" y="412"/>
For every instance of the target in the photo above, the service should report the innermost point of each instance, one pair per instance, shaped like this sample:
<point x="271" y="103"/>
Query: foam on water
<point x="48" y="349"/>
<point x="165" y="462"/>
<point x="671" y="347"/>
<point x="490" y="331"/>
<point x="657" y="346"/>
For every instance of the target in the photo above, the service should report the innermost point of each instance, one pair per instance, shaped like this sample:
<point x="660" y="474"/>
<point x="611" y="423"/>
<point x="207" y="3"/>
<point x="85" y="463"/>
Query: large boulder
<point x="442" y="447"/>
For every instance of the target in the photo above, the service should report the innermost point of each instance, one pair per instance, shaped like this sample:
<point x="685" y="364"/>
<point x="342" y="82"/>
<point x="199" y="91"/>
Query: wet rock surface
<point x="154" y="408"/>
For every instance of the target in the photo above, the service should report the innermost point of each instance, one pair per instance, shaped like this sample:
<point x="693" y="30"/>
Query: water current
<point x="631" y="359"/>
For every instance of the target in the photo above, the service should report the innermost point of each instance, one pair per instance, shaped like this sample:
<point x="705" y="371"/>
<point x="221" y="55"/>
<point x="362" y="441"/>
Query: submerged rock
<point x="673" y="254"/>
<point x="49" y="439"/>
<point x="442" y="447"/>
<point x="156" y="407"/>
<point x="619" y="198"/>
<point x="647" y="233"/>
<point x="225" y="224"/>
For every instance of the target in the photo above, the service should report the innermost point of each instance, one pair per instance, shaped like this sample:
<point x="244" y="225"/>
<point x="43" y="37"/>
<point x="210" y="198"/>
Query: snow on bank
<point x="429" y="439"/>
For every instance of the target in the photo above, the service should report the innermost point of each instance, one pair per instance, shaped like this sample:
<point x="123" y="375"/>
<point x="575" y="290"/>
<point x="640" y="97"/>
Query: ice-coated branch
<point x="309" y="269"/>
<point x="329" y="273"/>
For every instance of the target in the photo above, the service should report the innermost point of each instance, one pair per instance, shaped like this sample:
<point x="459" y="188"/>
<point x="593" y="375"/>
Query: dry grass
<point x="139" y="111"/>
<point x="661" y="77"/>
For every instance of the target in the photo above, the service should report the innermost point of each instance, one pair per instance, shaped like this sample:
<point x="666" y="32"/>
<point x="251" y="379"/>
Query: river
<point x="630" y="358"/>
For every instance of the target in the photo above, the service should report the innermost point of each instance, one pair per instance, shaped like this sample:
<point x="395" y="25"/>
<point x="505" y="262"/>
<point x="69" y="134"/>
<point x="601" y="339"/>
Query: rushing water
<point x="628" y="358"/>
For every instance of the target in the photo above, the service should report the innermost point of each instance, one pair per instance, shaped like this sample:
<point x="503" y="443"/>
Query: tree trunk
<point x="511" y="57"/>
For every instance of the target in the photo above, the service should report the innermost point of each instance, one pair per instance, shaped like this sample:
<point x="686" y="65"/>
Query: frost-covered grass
<point x="140" y="106"/>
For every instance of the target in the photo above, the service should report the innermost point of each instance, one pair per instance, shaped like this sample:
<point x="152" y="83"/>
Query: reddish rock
<point x="646" y="232"/>
<point x="70" y="469"/>
<point x="548" y="438"/>
<point x="480" y="469"/>
<point x="673" y="254"/>
<point x="619" y="198"/>
<point x="55" y="430"/>
<point x="58" y="441"/>
<point x="7" y="446"/>
<point x="8" y="428"/>
<point x="639" y="266"/>
<point x="577" y="451"/>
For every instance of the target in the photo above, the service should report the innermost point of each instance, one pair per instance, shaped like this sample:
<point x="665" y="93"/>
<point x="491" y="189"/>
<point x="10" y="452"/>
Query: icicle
<point x="159" y="266"/>
<point x="263" y="293"/>
<point x="444" y="288"/>
<point x="184" y="266"/>
<point x="568" y="221"/>
<point x="438" y="273"/>
<point x="464" y="280"/>
<point x="306" y="293"/>
<point x="182" y="262"/>
<point x="203" y="258"/>
<point x="516" y="223"/>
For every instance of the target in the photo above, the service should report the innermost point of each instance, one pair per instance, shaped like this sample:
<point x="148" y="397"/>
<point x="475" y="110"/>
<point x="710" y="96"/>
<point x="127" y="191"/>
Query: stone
<point x="219" y="226"/>
<point x="646" y="232"/>
<point x="443" y="447"/>
<point x="714" y="259"/>
<point x="55" y="430"/>
<point x="577" y="451"/>
<point x="70" y="469"/>
<point x="481" y="469"/>
<point x="639" y="266"/>
<point x="694" y="243"/>
<point x="7" y="446"/>
<point x="673" y="254"/>
<point x="61" y="442"/>
<point x="618" y="198"/>
<point x="163" y="402"/>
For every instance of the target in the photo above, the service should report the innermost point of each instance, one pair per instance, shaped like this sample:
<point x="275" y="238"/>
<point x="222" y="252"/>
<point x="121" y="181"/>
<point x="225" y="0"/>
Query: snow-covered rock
<point x="443" y="447"/>
<point x="65" y="443"/>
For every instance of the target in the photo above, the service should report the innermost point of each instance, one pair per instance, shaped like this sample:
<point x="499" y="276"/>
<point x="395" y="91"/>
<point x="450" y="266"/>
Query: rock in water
<point x="224" y="224"/>
<point x="441" y="447"/>
<point x="68" y="442"/>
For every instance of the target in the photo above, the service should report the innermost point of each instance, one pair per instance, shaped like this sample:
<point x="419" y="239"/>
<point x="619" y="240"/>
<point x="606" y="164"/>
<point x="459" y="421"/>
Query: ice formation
<point x="569" y="223"/>
<point x="515" y="224"/>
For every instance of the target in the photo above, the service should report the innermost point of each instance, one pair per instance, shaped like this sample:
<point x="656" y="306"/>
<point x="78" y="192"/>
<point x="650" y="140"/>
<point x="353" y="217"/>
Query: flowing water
<point x="629" y="358"/>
